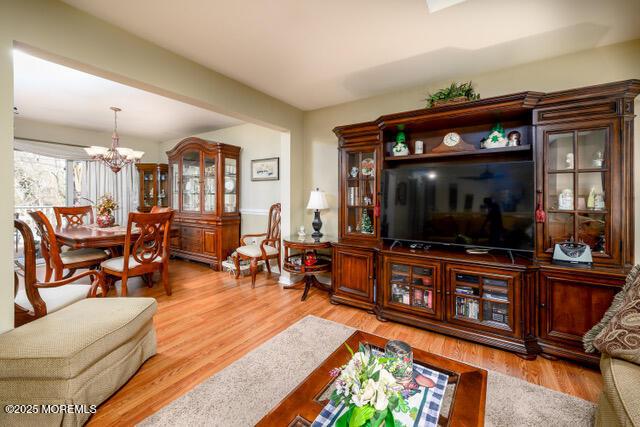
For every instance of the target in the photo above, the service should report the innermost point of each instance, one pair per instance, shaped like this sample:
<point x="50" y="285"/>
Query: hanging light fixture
<point x="115" y="157"/>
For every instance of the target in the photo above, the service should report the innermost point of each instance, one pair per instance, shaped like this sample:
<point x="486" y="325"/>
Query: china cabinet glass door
<point x="210" y="184"/>
<point x="191" y="181"/>
<point x="578" y="187"/>
<point x="412" y="287"/>
<point x="360" y="193"/>
<point x="230" y="185"/>
<point x="163" y="194"/>
<point x="147" y="188"/>
<point x="174" y="170"/>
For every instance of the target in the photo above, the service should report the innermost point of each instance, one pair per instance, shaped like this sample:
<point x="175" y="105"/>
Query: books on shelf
<point x="496" y="312"/>
<point x="466" y="290"/>
<point x="466" y="307"/>
<point x="496" y="296"/>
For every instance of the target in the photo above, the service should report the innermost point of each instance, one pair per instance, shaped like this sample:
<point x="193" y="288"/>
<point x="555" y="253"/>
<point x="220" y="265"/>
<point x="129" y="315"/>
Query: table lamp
<point x="317" y="201"/>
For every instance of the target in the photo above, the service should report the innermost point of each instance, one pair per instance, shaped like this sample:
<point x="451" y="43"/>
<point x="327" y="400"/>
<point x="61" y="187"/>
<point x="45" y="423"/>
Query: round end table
<point x="306" y="260"/>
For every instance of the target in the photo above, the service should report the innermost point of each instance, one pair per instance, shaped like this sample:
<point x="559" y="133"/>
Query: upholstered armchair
<point x="267" y="249"/>
<point x="35" y="299"/>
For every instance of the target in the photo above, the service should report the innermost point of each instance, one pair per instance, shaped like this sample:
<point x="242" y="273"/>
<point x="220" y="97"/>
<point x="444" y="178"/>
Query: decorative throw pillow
<point x="621" y="337"/>
<point x="631" y="282"/>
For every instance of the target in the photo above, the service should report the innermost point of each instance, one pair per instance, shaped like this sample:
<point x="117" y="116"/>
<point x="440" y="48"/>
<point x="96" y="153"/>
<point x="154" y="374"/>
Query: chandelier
<point x="115" y="157"/>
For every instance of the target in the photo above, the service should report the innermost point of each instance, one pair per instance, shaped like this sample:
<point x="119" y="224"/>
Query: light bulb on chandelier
<point x="115" y="157"/>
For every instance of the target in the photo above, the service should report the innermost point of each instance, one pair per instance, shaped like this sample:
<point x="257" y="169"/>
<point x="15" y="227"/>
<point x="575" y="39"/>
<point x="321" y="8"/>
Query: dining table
<point x="92" y="236"/>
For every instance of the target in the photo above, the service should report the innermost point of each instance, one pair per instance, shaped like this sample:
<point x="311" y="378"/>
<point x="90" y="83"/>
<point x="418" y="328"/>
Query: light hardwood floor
<point x="212" y="319"/>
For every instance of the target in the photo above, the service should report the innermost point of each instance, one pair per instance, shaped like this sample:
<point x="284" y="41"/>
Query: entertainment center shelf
<point x="578" y="146"/>
<point x="483" y="152"/>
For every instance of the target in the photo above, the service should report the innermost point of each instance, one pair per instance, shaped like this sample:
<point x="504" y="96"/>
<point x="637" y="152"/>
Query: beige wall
<point x="32" y="129"/>
<point x="58" y="32"/>
<point x="257" y="142"/>
<point x="611" y="63"/>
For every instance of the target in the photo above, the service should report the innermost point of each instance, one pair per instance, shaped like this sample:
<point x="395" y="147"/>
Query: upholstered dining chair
<point x="56" y="261"/>
<point x="35" y="299"/>
<point x="265" y="250"/>
<point x="148" y="254"/>
<point x="73" y="215"/>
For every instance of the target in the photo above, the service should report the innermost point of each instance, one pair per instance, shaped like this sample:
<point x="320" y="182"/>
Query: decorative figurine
<point x="513" y="138"/>
<point x="496" y="138"/>
<point x="569" y="161"/>
<point x="400" y="148"/>
<point x="366" y="226"/>
<point x="598" y="161"/>
<point x="565" y="199"/>
<point x="598" y="203"/>
<point x="591" y="200"/>
<point x="418" y="148"/>
<point x="301" y="232"/>
<point x="367" y="201"/>
<point x="354" y="172"/>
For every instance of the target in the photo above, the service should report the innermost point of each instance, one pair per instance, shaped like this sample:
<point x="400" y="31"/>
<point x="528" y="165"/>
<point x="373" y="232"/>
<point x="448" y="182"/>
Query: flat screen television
<point x="489" y="205"/>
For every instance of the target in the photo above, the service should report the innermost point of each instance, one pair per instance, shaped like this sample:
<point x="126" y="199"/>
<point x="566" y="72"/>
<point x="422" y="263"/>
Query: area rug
<point x="242" y="393"/>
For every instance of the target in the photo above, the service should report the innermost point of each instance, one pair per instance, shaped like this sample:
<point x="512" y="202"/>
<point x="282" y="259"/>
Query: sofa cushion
<point x="621" y="337"/>
<point x="54" y="298"/>
<point x="631" y="285"/>
<point x="621" y="379"/>
<point x="67" y="342"/>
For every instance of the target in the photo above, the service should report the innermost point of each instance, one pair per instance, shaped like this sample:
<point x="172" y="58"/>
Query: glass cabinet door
<point x="230" y="185"/>
<point x="411" y="287"/>
<point x="191" y="181"/>
<point x="577" y="188"/>
<point x="174" y="170"/>
<point x="163" y="194"/>
<point x="210" y="184"/>
<point x="360" y="194"/>
<point x="147" y="188"/>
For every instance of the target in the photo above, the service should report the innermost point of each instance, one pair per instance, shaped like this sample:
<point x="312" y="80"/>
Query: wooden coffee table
<point x="466" y="390"/>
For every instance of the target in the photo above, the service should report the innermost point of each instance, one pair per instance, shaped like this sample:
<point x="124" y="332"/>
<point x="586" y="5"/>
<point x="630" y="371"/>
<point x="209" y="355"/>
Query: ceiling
<point x="49" y="92"/>
<point x="316" y="53"/>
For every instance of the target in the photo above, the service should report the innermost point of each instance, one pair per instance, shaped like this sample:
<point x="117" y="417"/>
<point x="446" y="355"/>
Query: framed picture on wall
<point x="265" y="169"/>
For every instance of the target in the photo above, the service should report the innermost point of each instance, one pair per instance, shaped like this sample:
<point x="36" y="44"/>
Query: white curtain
<point x="94" y="179"/>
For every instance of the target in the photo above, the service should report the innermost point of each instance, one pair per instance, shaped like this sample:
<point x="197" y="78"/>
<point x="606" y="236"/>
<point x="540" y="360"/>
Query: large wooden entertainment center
<point x="542" y="308"/>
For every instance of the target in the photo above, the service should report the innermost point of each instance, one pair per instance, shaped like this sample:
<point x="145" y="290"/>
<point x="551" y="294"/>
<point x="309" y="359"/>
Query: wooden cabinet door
<point x="353" y="274"/>
<point x="484" y="298"/>
<point x="570" y="304"/>
<point x="191" y="239"/>
<point x="412" y="286"/>
<point x="210" y="242"/>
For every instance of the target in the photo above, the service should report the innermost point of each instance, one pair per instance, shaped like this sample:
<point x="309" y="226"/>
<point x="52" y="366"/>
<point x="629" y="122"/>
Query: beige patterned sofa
<point x="61" y="366"/>
<point x="617" y="337"/>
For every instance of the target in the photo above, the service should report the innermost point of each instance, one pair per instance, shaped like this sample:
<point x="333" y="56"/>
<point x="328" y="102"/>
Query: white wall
<point x="32" y="129"/>
<point x="602" y="65"/>
<point x="257" y="142"/>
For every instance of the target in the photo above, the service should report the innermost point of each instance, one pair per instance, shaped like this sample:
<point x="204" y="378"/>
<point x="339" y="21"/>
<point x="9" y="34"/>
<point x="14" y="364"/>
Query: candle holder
<point x="402" y="367"/>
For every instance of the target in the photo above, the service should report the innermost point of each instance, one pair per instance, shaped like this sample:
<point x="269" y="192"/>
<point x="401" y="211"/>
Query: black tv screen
<point x="487" y="205"/>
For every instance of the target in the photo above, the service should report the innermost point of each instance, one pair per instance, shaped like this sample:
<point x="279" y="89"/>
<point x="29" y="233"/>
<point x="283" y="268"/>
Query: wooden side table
<point x="295" y="263"/>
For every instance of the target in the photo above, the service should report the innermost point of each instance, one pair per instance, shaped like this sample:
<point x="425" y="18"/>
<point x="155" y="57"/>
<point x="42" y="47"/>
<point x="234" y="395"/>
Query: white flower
<point x="381" y="401"/>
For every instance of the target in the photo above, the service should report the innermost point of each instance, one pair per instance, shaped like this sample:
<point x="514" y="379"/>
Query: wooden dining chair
<point x="160" y="209"/>
<point x="266" y="250"/>
<point x="148" y="254"/>
<point x="36" y="299"/>
<point x="56" y="260"/>
<point x="74" y="215"/>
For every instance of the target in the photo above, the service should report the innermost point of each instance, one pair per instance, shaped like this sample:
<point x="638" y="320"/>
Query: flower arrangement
<point x="368" y="388"/>
<point x="104" y="208"/>
<point x="457" y="92"/>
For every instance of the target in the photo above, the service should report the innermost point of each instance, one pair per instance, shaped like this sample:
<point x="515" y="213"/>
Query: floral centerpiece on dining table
<point x="104" y="209"/>
<point x="369" y="390"/>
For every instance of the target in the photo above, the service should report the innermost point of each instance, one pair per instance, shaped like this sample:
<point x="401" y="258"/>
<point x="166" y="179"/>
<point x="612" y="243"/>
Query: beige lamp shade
<point x="317" y="200"/>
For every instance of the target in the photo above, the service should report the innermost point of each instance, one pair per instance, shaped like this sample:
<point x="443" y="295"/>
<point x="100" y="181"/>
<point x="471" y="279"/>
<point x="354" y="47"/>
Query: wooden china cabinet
<point x="204" y="180"/>
<point x="154" y="185"/>
<point x="580" y="142"/>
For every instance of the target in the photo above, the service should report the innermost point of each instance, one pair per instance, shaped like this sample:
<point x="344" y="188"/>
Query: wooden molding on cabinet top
<point x="204" y="145"/>
<point x="498" y="108"/>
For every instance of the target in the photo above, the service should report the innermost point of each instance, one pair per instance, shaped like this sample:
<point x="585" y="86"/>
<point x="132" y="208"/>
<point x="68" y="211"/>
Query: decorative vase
<point x="106" y="220"/>
<point x="403" y="354"/>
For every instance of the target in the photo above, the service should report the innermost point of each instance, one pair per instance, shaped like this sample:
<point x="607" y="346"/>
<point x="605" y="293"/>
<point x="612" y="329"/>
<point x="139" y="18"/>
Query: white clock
<point x="451" y="139"/>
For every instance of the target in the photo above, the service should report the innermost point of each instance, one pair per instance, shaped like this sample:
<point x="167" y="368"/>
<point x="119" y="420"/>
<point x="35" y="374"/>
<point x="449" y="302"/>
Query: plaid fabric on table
<point x="428" y="402"/>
